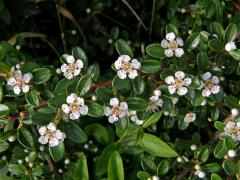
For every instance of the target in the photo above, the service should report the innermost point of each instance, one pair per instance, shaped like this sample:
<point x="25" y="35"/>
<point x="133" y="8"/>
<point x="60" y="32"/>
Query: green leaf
<point x="151" y="66"/>
<point x="61" y="87"/>
<point x="81" y="168"/>
<point x="16" y="169"/>
<point x="218" y="29"/>
<point x="152" y="119"/>
<point x="212" y="167"/>
<point x="94" y="109"/>
<point x="203" y="154"/>
<point x="94" y="71"/>
<point x="41" y="75"/>
<point x="121" y="84"/>
<point x="156" y="146"/>
<point x="4" y="110"/>
<point x="104" y="94"/>
<point x="25" y="138"/>
<point x="78" y="53"/>
<point x="216" y="45"/>
<point x="229" y="166"/>
<point x="230" y="33"/>
<point x="229" y="143"/>
<point x="235" y="54"/>
<point x="220" y="150"/>
<point x="57" y="152"/>
<point x="138" y="85"/>
<point x="192" y="41"/>
<point x="123" y="48"/>
<point x="171" y="28"/>
<point x="215" y="177"/>
<point x="203" y="61"/>
<point x="75" y="133"/>
<point x="42" y="119"/>
<point x="163" y="167"/>
<point x="3" y="146"/>
<point x="155" y="50"/>
<point x="99" y="132"/>
<point x="4" y="68"/>
<point x="137" y="104"/>
<point x="57" y="101"/>
<point x="84" y="84"/>
<point x="219" y="125"/>
<point x="115" y="167"/>
<point x="32" y="98"/>
<point x="142" y="175"/>
<point x="232" y="101"/>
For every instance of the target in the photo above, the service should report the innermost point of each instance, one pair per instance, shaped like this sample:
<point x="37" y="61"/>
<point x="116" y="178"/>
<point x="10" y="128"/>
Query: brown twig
<point x="102" y="84"/>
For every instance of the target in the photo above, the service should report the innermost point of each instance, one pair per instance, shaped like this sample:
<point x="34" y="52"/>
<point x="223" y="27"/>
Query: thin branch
<point x="152" y="19"/>
<point x="135" y="14"/>
<point x="102" y="84"/>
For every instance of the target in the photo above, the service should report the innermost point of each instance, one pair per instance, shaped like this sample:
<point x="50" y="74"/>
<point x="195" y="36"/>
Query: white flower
<point x="230" y="46"/>
<point x="75" y="106"/>
<point x="178" y="84"/>
<point x="50" y="134"/>
<point x="232" y="129"/>
<point x="134" y="118"/>
<point x="73" y="68"/>
<point x="155" y="101"/>
<point x="232" y="153"/>
<point x="209" y="84"/>
<point x="19" y="82"/>
<point x="190" y="117"/>
<point x="201" y="174"/>
<point x="172" y="45"/>
<point x="116" y="111"/>
<point x="234" y="112"/>
<point x="126" y="66"/>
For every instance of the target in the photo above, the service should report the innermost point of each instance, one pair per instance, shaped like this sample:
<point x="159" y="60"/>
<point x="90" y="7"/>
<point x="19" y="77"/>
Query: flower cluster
<point x="209" y="84"/>
<point x="50" y="134"/>
<point x="172" y="45"/>
<point x="178" y="83"/>
<point x="73" y="68"/>
<point x="126" y="66"/>
<point x="75" y="106"/>
<point x="155" y="101"/>
<point x="232" y="129"/>
<point x="116" y="111"/>
<point x="19" y="82"/>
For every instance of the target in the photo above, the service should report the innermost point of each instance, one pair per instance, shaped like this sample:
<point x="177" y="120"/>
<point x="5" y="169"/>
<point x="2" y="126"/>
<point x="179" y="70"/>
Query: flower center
<point x="19" y="81"/>
<point x="49" y="134"/>
<point x="178" y="83"/>
<point x="173" y="45"/>
<point x="209" y="84"/>
<point x="115" y="110"/>
<point x="234" y="131"/>
<point x="152" y="105"/>
<point x="126" y="66"/>
<point x="71" y="68"/>
<point x="74" y="107"/>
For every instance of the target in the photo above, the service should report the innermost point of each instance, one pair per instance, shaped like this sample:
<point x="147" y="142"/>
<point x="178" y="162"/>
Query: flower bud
<point x="231" y="153"/>
<point x="94" y="98"/>
<point x="66" y="161"/>
<point x="201" y="174"/>
<point x="41" y="148"/>
<point x="234" y="112"/>
<point x="88" y="10"/>
<point x="11" y="138"/>
<point x="20" y="161"/>
<point x="193" y="147"/>
<point x="179" y="159"/>
<point x="155" y="177"/>
<point x="197" y="167"/>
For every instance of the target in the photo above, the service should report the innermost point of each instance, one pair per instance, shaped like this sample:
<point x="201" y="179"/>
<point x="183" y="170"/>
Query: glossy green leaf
<point x="32" y="98"/>
<point x="57" y="152"/>
<point x="123" y="48"/>
<point x="137" y="104"/>
<point x="115" y="167"/>
<point x="152" y="119"/>
<point x="4" y="110"/>
<point x="81" y="168"/>
<point x="138" y="85"/>
<point x="41" y="75"/>
<point x="75" y="133"/>
<point x="25" y="138"/>
<point x="230" y="33"/>
<point x="151" y="66"/>
<point x="155" y="50"/>
<point x="84" y="85"/>
<point x="104" y="94"/>
<point x="3" y="146"/>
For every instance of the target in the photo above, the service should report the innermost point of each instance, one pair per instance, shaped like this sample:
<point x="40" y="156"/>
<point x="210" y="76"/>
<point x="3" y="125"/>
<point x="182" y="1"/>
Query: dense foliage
<point x="121" y="89"/>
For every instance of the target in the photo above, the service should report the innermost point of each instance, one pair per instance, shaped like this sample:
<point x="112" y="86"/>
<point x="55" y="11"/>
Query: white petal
<point x="112" y="119"/>
<point x="114" y="101"/>
<point x="230" y="124"/>
<point x="70" y="59"/>
<point x="206" y="76"/>
<point x="133" y="112"/>
<point x="182" y="91"/>
<point x="168" y="52"/>
<point x="79" y="63"/>
<point x="132" y="74"/>
<point x="157" y="92"/>
<point x="175" y="100"/>
<point x="11" y="81"/>
<point x="179" y="41"/>
<point x="18" y="74"/>
<point x="27" y="77"/>
<point x="159" y="103"/>
<point x="215" y="79"/>
<point x="123" y="106"/>
<point x="65" y="108"/>
<point x="169" y="80"/>
<point x="170" y="36"/>
<point x="76" y="72"/>
<point x="42" y="130"/>
<point x="25" y="88"/>
<point x="122" y="114"/>
<point x="238" y="124"/>
<point x="107" y="111"/>
<point x="230" y="46"/>
<point x="118" y="64"/>
<point x="154" y="98"/>
<point x="179" y="52"/>
<point x="84" y="110"/>
<point x="53" y="142"/>
<point x="215" y="89"/>
<point x="68" y="75"/>
<point x="125" y="58"/>
<point x="58" y="134"/>
<point x="206" y="92"/>
<point x="139" y="122"/>
<point x="187" y="81"/>
<point x="80" y="101"/>
<point x="42" y="140"/>
<point x="122" y="74"/>
<point x="135" y="64"/>
<point x="64" y="68"/>
<point x="180" y="75"/>
<point x="164" y="43"/>
<point x="74" y="115"/>
<point x="51" y="126"/>
<point x="172" y="89"/>
<point x="72" y="98"/>
<point x="16" y="90"/>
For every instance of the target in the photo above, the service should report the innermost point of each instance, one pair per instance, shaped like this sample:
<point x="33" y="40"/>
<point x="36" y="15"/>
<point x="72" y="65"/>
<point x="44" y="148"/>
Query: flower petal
<point x="135" y="64"/>
<point x="187" y="81"/>
<point x="179" y="41"/>
<point x="122" y="74"/>
<point x="170" y="36"/>
<point x="179" y="52"/>
<point x="65" y="108"/>
<point x="182" y="91"/>
<point x="132" y="74"/>
<point x="206" y="92"/>
<point x="168" y="52"/>
<point x="172" y="89"/>
<point x="215" y="89"/>
<point x="114" y="101"/>
<point x="70" y="59"/>
<point x="79" y="63"/>
<point x="84" y="110"/>
<point x="169" y="80"/>
<point x="180" y="74"/>
<point x="164" y="43"/>
<point x="206" y="76"/>
<point x="64" y="68"/>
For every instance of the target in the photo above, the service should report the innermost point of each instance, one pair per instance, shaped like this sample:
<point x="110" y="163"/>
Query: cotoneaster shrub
<point x="112" y="104"/>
